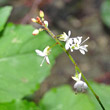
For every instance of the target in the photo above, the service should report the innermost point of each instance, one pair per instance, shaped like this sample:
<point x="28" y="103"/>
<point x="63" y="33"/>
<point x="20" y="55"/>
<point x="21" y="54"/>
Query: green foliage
<point x="4" y="14"/>
<point x="20" y="71"/>
<point x="21" y="74"/>
<point x="105" y="12"/>
<point x="103" y="93"/>
<point x="63" y="98"/>
<point x="18" y="105"/>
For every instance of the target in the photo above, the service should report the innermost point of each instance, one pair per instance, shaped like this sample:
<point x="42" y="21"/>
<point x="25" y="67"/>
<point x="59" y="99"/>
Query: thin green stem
<point x="73" y="61"/>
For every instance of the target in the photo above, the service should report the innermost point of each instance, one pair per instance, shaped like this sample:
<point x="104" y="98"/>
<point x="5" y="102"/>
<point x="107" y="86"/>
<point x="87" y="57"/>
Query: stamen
<point x="84" y="40"/>
<point x="42" y="61"/>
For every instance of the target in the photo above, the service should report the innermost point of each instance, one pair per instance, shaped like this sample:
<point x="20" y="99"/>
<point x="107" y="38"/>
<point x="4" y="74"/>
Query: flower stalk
<point x="76" y="46"/>
<point x="73" y="61"/>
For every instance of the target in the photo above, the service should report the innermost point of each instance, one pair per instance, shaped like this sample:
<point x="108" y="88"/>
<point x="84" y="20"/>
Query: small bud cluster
<point x="40" y="20"/>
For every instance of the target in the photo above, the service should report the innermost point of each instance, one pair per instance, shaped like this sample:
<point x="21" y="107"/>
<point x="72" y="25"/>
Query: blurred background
<point x="84" y="18"/>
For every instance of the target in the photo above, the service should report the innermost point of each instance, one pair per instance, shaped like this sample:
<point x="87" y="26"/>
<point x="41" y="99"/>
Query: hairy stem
<point x="73" y="61"/>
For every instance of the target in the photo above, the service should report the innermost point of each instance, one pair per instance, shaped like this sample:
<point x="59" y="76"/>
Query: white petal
<point x="76" y="79"/>
<point x="70" y="40"/>
<point x="83" y="48"/>
<point x="85" y="86"/>
<point x="75" y="40"/>
<point x="65" y="36"/>
<point x="46" y="50"/>
<point x="71" y="49"/>
<point x="67" y="46"/>
<point x="68" y="43"/>
<point x="82" y="51"/>
<point x="85" y="45"/>
<point x="47" y="60"/>
<point x="69" y="33"/>
<point x="79" y="76"/>
<point x="40" y="53"/>
<point x="80" y="86"/>
<point x="79" y="39"/>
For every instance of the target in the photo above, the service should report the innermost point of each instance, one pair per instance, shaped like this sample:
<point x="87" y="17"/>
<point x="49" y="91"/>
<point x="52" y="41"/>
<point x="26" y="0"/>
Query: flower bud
<point x="38" y="20"/>
<point x="41" y="13"/>
<point x="46" y="23"/>
<point x="33" y="20"/>
<point x="35" y="32"/>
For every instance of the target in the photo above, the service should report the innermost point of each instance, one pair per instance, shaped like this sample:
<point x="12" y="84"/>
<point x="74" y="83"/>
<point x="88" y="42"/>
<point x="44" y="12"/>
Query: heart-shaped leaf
<point x="63" y="98"/>
<point x="20" y="71"/>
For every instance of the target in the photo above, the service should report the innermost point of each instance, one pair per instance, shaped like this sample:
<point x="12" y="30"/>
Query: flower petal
<point x="76" y="79"/>
<point x="83" y="48"/>
<point x="82" y="51"/>
<point x="65" y="36"/>
<point x="67" y="46"/>
<point x="79" y="76"/>
<point x="47" y="60"/>
<point x="79" y="39"/>
<point x="70" y="40"/>
<point x="71" y="49"/>
<point x="80" y="86"/>
<point x="46" y="50"/>
<point x="40" y="53"/>
<point x="69" y="33"/>
<point x="75" y="40"/>
<point x="68" y="43"/>
<point x="85" y="86"/>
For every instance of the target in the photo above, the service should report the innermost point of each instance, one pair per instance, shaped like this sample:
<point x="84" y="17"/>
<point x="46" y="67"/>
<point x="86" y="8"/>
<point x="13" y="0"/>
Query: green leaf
<point x="63" y="98"/>
<point x="105" y="12"/>
<point x="20" y="71"/>
<point x="4" y="14"/>
<point x="18" y="105"/>
<point x="103" y="93"/>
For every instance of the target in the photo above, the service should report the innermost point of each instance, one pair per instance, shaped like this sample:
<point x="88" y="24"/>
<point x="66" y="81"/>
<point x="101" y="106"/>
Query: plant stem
<point x="73" y="61"/>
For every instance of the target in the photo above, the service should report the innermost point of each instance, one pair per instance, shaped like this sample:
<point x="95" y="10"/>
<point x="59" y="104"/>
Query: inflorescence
<point x="71" y="44"/>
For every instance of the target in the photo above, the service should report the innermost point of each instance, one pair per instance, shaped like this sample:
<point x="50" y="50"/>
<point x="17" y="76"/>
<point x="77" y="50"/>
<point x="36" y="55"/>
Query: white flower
<point x="77" y="45"/>
<point x="65" y="37"/>
<point x="79" y="86"/>
<point x="44" y="54"/>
